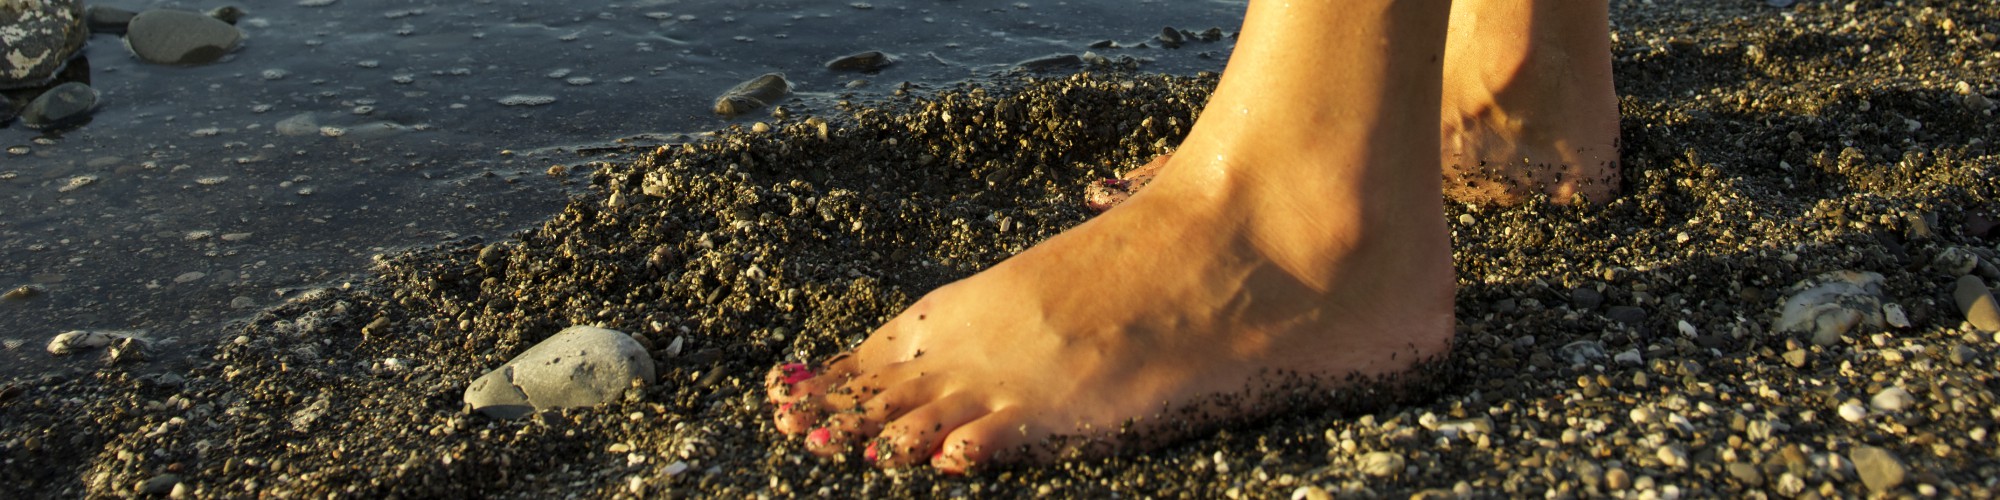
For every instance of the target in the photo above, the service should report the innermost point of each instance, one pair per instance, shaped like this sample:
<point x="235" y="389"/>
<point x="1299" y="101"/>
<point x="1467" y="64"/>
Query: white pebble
<point x="1893" y="399"/>
<point x="1852" y="411"/>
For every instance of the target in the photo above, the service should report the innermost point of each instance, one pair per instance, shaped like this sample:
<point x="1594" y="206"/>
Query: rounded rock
<point x="1893" y="399"/>
<point x="39" y="38"/>
<point x="1878" y="468"/>
<point x="1976" y="301"/>
<point x="180" y="37"/>
<point x="577" y="367"/>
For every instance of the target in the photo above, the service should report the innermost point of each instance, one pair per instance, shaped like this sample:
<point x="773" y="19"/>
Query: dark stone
<point x="1585" y="298"/>
<point x="1171" y="38"/>
<point x="870" y="61"/>
<point x="107" y="20"/>
<point x="7" y="111"/>
<point x="180" y="37"/>
<point x="40" y="37"/>
<point x="1051" y="62"/>
<point x="754" y="94"/>
<point x="67" y="104"/>
<point x="228" y="14"/>
<point x="1103" y="44"/>
<point x="1629" y="315"/>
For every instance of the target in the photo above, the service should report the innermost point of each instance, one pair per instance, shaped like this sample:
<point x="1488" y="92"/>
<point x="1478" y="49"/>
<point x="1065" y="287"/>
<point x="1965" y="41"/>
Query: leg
<point x="1298" y="231"/>
<point x="1528" y="106"/>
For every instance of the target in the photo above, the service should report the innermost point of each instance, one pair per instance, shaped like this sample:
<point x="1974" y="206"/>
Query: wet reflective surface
<point x="344" y="129"/>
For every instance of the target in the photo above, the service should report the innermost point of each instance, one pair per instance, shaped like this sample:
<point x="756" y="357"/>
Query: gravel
<point x="1779" y="140"/>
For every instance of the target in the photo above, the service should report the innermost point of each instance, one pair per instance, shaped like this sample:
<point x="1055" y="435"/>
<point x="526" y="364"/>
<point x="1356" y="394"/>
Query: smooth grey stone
<point x="870" y="61"/>
<point x="67" y="104"/>
<point x="159" y="485"/>
<point x="1171" y="37"/>
<point x="577" y="367"/>
<point x="39" y="37"/>
<point x="1878" y="468"/>
<point x="1976" y="301"/>
<point x="107" y="20"/>
<point x="1831" y="305"/>
<point x="754" y="94"/>
<point x="180" y="37"/>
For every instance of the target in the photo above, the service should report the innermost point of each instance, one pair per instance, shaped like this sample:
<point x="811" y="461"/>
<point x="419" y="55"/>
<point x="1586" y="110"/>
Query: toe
<point x="986" y="440"/>
<point x="853" y="420"/>
<point x="917" y="436"/>
<point x="1107" y="193"/>
<point x="800" y="393"/>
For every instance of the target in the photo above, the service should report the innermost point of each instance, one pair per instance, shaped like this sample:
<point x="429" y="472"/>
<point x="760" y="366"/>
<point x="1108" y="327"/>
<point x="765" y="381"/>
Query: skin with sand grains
<point x="1293" y="206"/>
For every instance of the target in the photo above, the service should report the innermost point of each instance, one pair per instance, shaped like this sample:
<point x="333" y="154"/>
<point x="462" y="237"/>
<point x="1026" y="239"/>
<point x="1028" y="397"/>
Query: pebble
<point x="1976" y="301"/>
<point x="77" y="340"/>
<point x="1617" y="479"/>
<point x="180" y="37"/>
<point x="754" y="94"/>
<point x="1878" y="468"/>
<point x="1585" y="298"/>
<point x="1831" y="305"/>
<point x="1796" y="358"/>
<point x="1893" y="399"/>
<point x="527" y="100"/>
<point x="37" y="39"/>
<point x="1852" y="411"/>
<point x="1629" y="357"/>
<point x="869" y="61"/>
<point x="1894" y="315"/>
<point x="62" y="106"/>
<point x="1382" y="464"/>
<point x="1673" y="456"/>
<point x="1746" y="474"/>
<point x="1311" y="493"/>
<point x="579" y="366"/>
<point x="158" y="485"/>
<point x="1583" y="352"/>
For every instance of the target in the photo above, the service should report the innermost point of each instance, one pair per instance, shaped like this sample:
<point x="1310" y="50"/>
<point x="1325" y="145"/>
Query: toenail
<point x="795" y="373"/>
<point x="784" y="408"/>
<point x="869" y="453"/>
<point x="819" y="437"/>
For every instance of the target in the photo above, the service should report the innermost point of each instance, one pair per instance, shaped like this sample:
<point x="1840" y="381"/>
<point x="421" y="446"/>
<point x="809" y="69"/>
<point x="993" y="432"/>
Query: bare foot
<point x="1297" y="236"/>
<point x="1107" y="193"/>
<point x="1528" y="106"/>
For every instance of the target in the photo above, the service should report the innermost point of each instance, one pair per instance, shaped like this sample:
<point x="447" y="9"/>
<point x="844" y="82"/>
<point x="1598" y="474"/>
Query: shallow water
<point x="346" y="129"/>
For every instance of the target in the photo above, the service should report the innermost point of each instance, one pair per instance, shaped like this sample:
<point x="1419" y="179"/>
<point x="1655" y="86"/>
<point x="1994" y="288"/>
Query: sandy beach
<point x="1633" y="349"/>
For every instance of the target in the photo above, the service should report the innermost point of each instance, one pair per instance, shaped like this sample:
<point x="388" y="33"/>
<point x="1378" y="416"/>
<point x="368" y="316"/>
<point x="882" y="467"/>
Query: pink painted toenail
<point x="795" y="373"/>
<point x="869" y="453"/>
<point x="819" y="437"/>
<point x="784" y="407"/>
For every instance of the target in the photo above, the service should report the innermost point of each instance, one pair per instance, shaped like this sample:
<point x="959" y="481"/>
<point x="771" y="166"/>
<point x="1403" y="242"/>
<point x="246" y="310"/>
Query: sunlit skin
<point x="1297" y="233"/>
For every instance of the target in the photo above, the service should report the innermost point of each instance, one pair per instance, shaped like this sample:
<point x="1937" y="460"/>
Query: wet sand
<point x="1625" y="349"/>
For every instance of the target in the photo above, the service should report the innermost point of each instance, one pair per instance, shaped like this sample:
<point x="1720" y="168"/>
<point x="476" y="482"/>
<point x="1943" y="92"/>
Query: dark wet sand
<point x="1763" y="147"/>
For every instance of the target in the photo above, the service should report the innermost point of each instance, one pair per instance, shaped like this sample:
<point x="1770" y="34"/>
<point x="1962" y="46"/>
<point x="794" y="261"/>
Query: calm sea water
<point x="346" y="129"/>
